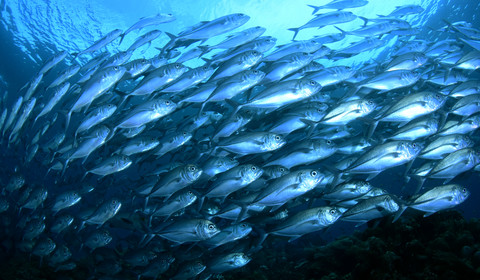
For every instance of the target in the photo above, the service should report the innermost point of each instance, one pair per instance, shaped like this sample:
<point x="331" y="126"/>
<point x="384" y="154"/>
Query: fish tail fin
<point x="121" y="38"/>
<point x="235" y="105"/>
<point x="315" y="8"/>
<point x="295" y="30"/>
<point x="399" y="213"/>
<point x="35" y="120"/>
<point x="84" y="175"/>
<point x="371" y="129"/>
<point x="204" y="49"/>
<point x="68" y="116"/>
<point x="365" y="20"/>
<point x="341" y="30"/>
<point x="64" y="168"/>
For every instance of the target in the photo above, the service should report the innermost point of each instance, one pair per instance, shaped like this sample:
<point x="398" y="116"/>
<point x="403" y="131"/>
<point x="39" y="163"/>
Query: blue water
<point x="34" y="30"/>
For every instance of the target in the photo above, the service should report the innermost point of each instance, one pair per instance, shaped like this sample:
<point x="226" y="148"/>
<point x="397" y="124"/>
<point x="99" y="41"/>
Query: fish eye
<point x="211" y="227"/>
<point x="184" y="133"/>
<point x="255" y="71"/>
<point x="282" y="169"/>
<point x="192" y="168"/>
<point x="169" y="15"/>
<point x="205" y="68"/>
<point x="277" y="137"/>
<point x="189" y="193"/>
<point x="414" y="145"/>
<point x="332" y="211"/>
<point x="370" y="102"/>
<point x="244" y="225"/>
<point x="115" y="68"/>
<point x="313" y="173"/>
<point x="254" y="168"/>
<point x="305" y="53"/>
<point x="464" y="190"/>
<point x="329" y="142"/>
<point x="177" y="66"/>
<point x="312" y="83"/>
<point x="204" y="114"/>
<point x="167" y="102"/>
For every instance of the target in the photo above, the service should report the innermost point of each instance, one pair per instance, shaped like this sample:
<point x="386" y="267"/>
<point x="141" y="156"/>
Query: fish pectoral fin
<point x="294" y="238"/>
<point x="372" y="175"/>
<point x="428" y="214"/>
<point x="275" y="208"/>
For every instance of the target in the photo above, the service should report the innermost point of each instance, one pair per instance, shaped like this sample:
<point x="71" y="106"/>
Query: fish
<point x="282" y="94"/>
<point x="182" y="200"/>
<point x="307" y="221"/>
<point x="139" y="144"/>
<point x="175" y="180"/>
<point x="372" y="208"/>
<point x="252" y="143"/>
<point x="227" y="262"/>
<point x="98" y="239"/>
<point x="158" y="78"/>
<point x="303" y="153"/>
<point x="65" y="200"/>
<point x="444" y="145"/>
<point x="96" y="139"/>
<point x="229" y="234"/>
<point x="51" y="62"/>
<point x="95" y="116"/>
<point x="22" y="118"/>
<point x="238" y="39"/>
<point x="288" y="187"/>
<point x="326" y="19"/>
<point x="215" y="27"/>
<point x="401" y="11"/>
<point x="455" y="163"/>
<point x="147" y="38"/>
<point x="439" y="198"/>
<point x="384" y="156"/>
<point x="233" y="180"/>
<point x="349" y="111"/>
<point x="64" y="76"/>
<point x="102" y="42"/>
<point x="188" y="230"/>
<point x="59" y="92"/>
<point x="339" y="5"/>
<point x="148" y="21"/>
<point x="95" y="87"/>
<point x="60" y="255"/>
<point x="147" y="112"/>
<point x="104" y="212"/>
<point x="111" y="165"/>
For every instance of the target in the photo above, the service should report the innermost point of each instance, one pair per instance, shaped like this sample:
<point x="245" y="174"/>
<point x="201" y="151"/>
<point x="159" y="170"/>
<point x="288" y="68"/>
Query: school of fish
<point x="158" y="170"/>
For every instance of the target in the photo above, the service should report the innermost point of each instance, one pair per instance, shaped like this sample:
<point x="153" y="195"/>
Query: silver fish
<point x="190" y="230"/>
<point x="111" y="165"/>
<point x="252" y="143"/>
<point x="440" y="198"/>
<point x="372" y="208"/>
<point x="104" y="212"/>
<point x="227" y="262"/>
<point x="102" y="42"/>
<point x="307" y="221"/>
<point x="444" y="145"/>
